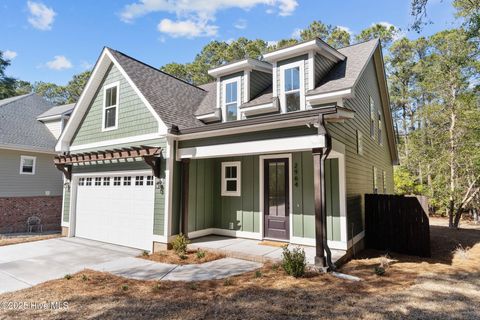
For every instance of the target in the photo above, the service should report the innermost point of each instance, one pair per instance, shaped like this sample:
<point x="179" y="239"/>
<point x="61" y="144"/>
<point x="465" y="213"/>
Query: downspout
<point x="322" y="129"/>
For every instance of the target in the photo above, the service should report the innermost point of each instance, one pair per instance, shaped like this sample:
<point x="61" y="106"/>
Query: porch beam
<point x="184" y="194"/>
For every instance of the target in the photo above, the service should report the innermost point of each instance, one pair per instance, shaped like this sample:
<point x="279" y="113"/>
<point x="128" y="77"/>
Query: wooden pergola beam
<point x="114" y="154"/>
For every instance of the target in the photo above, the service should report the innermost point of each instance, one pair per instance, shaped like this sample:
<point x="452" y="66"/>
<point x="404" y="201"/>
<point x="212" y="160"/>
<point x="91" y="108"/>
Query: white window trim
<point x="373" y="117"/>
<point x="237" y="193"/>
<point x="238" y="80"/>
<point x="301" y="65"/>
<point x="28" y="158"/>
<point x="105" y="88"/>
<point x="375" y="181"/>
<point x="380" y="128"/>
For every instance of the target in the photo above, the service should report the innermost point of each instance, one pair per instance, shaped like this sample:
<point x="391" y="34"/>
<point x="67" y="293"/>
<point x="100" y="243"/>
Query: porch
<point x="256" y="250"/>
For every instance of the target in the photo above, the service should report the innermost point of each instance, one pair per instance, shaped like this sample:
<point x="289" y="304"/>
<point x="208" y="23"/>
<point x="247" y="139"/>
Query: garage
<point x="116" y="209"/>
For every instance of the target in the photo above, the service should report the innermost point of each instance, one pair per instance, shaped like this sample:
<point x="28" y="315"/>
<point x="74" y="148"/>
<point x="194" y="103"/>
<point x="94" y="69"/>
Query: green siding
<point x="133" y="116"/>
<point x="359" y="168"/>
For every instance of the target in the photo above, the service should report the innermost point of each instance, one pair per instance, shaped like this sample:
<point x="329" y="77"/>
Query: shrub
<point x="293" y="261"/>
<point x="145" y="253"/>
<point x="275" y="267"/>
<point x="68" y="276"/>
<point x="193" y="286"/>
<point x="200" y="254"/>
<point x="157" y="287"/>
<point x="180" y="244"/>
<point x="125" y="287"/>
<point x="379" y="270"/>
<point x="258" y="274"/>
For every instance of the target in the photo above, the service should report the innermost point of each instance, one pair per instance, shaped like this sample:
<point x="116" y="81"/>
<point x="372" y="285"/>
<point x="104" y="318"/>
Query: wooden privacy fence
<point x="397" y="223"/>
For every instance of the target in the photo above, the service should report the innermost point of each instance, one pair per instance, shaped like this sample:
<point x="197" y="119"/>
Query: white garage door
<point x="116" y="209"/>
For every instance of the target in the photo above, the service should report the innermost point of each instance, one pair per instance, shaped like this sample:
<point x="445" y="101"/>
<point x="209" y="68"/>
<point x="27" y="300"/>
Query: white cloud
<point x="346" y="29"/>
<point x="186" y="28"/>
<point x="198" y="12"/>
<point x="59" y="63"/>
<point x="41" y="17"/>
<point x="296" y="33"/>
<point x="9" y="54"/>
<point x="241" y="24"/>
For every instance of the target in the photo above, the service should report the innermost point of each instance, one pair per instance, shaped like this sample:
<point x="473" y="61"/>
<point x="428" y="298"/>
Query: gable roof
<point x="65" y="109"/>
<point x="19" y="127"/>
<point x="173" y="99"/>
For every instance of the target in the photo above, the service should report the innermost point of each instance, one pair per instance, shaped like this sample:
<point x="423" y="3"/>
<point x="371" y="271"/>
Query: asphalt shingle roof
<point x="262" y="98"/>
<point x="209" y="102"/>
<point x="58" y="110"/>
<point x="175" y="100"/>
<point x="19" y="125"/>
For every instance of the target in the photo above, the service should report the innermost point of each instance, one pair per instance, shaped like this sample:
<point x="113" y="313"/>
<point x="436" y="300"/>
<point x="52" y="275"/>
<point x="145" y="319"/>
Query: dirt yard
<point x="6" y="240"/>
<point x="191" y="257"/>
<point x="446" y="286"/>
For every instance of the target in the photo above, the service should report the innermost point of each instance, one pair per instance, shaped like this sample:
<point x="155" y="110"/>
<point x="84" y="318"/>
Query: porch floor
<point x="252" y="250"/>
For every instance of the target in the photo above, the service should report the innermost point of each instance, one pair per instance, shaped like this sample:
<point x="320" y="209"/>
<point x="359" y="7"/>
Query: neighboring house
<point x="149" y="156"/>
<point x="29" y="182"/>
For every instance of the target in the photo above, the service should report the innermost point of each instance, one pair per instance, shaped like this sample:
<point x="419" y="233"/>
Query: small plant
<point x="145" y="253"/>
<point x="180" y="244"/>
<point x="84" y="277"/>
<point x="258" y="274"/>
<point x="293" y="261"/>
<point x="193" y="286"/>
<point x="461" y="252"/>
<point x="275" y="267"/>
<point x="183" y="257"/>
<point x="124" y="287"/>
<point x="200" y="254"/>
<point x="157" y="287"/>
<point x="379" y="270"/>
<point x="68" y="276"/>
<point x="227" y="282"/>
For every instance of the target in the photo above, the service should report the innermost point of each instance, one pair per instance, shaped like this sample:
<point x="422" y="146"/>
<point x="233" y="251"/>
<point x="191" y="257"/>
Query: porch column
<point x="184" y="196"/>
<point x="319" y="155"/>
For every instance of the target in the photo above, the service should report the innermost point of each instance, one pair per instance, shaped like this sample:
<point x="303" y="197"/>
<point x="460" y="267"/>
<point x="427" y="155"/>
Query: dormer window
<point x="292" y="87"/>
<point x="231" y="98"/>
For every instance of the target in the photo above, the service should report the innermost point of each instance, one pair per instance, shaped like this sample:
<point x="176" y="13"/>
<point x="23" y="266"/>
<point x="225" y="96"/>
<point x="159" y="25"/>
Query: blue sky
<point x="50" y="40"/>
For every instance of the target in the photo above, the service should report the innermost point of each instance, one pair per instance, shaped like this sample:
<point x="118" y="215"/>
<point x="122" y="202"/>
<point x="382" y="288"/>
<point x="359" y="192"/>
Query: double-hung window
<point x="27" y="165"/>
<point x="231" y="98"/>
<point x="231" y="181"/>
<point x="292" y="87"/>
<point x="110" y="107"/>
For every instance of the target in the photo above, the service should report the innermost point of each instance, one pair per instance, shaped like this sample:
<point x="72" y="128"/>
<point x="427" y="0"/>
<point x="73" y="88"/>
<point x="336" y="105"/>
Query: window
<point x="372" y="118"/>
<point x="127" y="181"/>
<point x="81" y="181"/>
<point x="359" y="142"/>
<point x="150" y="181"/>
<point x="139" y="180"/>
<point x="375" y="185"/>
<point x="89" y="182"/>
<point x="384" y="182"/>
<point x="106" y="181"/>
<point x="117" y="181"/>
<point x="291" y="90"/>
<point x="98" y="181"/>
<point x="231" y="178"/>
<point x="380" y="138"/>
<point x="231" y="98"/>
<point x="27" y="164"/>
<point x="110" y="107"/>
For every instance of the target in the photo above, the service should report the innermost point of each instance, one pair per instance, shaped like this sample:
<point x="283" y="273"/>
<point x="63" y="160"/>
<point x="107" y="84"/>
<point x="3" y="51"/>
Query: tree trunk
<point x="458" y="216"/>
<point x="451" y="132"/>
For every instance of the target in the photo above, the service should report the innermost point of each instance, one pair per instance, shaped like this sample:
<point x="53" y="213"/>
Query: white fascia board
<point x="259" y="109"/>
<point x="253" y="147"/>
<point x="210" y="117"/>
<point x="15" y="147"/>
<point x="247" y="64"/>
<point x="302" y="48"/>
<point x="50" y="118"/>
<point x="327" y="97"/>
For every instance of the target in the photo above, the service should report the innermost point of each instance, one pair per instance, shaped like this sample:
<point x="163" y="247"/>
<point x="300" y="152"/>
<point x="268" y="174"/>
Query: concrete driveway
<point x="28" y="264"/>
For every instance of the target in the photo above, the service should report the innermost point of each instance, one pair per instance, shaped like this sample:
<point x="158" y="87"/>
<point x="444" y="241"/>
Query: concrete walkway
<point x="28" y="264"/>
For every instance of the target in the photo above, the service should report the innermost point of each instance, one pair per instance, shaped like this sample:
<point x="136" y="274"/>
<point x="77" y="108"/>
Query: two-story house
<point x="281" y="149"/>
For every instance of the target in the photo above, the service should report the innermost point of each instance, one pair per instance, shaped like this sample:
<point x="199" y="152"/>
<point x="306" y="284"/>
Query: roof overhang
<point x="330" y="96"/>
<point x="247" y="64"/>
<point x="315" y="45"/>
<point x="210" y="117"/>
<point x="33" y="149"/>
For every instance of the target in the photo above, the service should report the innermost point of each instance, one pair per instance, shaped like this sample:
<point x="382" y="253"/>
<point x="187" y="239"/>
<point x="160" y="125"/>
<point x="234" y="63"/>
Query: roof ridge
<point x="152" y="67"/>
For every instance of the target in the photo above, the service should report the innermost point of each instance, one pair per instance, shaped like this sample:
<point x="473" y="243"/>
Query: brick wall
<point x="14" y="212"/>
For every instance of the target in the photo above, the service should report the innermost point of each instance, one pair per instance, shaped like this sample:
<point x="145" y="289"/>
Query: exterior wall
<point x="55" y="127"/>
<point x="47" y="180"/>
<point x="131" y="164"/>
<point x="359" y="168"/>
<point x="322" y="67"/>
<point x="15" y="211"/>
<point x="259" y="81"/>
<point x="208" y="209"/>
<point x="133" y="116"/>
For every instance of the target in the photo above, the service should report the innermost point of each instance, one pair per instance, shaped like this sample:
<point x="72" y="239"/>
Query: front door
<point x="276" y="199"/>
